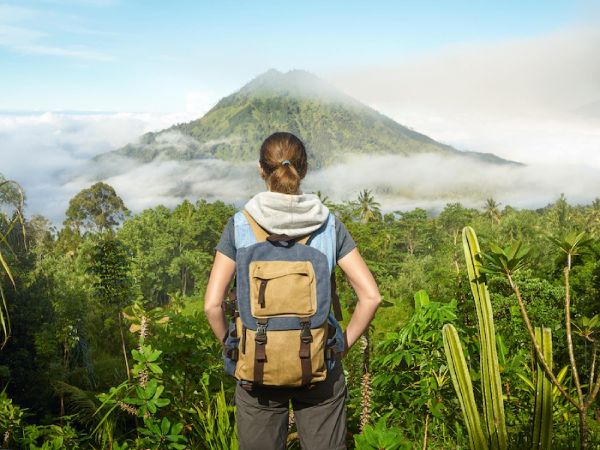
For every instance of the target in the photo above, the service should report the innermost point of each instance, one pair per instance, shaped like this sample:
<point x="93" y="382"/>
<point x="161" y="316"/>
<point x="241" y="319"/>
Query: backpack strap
<point x="335" y="299"/>
<point x="244" y="236"/>
<point x="259" y="232"/>
<point x="306" y="339"/>
<point x="260" y="356"/>
<point x="324" y="240"/>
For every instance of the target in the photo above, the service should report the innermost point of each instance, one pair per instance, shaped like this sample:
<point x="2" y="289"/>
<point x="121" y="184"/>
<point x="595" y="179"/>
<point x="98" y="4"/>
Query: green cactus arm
<point x="493" y="404"/>
<point x="461" y="379"/>
<point x="542" y="424"/>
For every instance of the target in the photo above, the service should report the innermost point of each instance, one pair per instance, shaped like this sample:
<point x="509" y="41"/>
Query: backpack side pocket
<point x="335" y="345"/>
<point x="231" y="348"/>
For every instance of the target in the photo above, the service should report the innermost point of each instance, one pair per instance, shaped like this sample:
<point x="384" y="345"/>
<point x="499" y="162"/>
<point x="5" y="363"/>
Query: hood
<point x="294" y="215"/>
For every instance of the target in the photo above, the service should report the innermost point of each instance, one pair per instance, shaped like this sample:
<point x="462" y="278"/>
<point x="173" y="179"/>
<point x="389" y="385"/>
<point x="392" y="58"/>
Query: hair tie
<point x="285" y="162"/>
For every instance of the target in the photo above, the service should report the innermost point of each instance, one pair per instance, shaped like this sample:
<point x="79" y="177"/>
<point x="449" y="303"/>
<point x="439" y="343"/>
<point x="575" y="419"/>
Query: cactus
<point x="496" y="437"/>
<point x="463" y="387"/>
<point x="542" y="419"/>
<point x="493" y="406"/>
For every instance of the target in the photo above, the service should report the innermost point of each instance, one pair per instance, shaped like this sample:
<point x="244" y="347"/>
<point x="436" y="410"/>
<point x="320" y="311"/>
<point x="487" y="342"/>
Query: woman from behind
<point x="262" y="413"/>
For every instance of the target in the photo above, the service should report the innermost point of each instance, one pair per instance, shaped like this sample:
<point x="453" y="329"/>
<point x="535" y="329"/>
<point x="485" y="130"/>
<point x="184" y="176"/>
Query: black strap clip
<point x="305" y="333"/>
<point x="261" y="333"/>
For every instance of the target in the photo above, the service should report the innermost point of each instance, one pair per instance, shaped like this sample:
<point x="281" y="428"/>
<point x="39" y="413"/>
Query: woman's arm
<point x="366" y="289"/>
<point x="216" y="290"/>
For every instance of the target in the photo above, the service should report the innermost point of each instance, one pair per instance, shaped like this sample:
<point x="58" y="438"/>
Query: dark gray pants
<point x="320" y="412"/>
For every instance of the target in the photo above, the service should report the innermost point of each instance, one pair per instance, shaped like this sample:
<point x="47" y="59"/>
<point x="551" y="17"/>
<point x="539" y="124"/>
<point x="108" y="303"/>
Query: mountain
<point x="332" y="125"/>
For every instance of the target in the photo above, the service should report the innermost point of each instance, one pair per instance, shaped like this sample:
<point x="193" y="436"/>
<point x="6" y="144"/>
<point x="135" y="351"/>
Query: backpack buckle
<point x="305" y="334"/>
<point x="261" y="333"/>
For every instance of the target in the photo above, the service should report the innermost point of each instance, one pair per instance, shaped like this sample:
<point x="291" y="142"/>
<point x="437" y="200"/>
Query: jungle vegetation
<point x="106" y="344"/>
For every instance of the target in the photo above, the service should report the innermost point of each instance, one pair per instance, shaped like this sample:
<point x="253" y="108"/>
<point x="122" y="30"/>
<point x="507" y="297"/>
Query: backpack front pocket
<point x="282" y="288"/>
<point x="283" y="363"/>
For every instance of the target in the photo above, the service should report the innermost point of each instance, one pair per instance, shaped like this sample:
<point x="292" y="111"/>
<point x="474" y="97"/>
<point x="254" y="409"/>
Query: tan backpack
<point x="282" y="333"/>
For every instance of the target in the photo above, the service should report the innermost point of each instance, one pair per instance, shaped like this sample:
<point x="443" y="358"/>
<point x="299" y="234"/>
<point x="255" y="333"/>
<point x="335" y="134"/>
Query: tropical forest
<point x="486" y="338"/>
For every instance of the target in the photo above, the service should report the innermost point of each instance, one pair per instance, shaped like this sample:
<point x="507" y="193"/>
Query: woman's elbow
<point x="373" y="299"/>
<point x="377" y="300"/>
<point x="210" y="308"/>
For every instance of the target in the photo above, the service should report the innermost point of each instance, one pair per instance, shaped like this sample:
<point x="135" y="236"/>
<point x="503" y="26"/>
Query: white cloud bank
<point x="43" y="151"/>
<point x="535" y="100"/>
<point x="431" y="181"/>
<point x="49" y="155"/>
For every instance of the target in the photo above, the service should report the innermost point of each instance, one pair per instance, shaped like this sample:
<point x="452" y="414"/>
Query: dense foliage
<point x="109" y="347"/>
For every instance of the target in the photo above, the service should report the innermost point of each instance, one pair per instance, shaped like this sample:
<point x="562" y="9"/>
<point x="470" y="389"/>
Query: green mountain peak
<point x="332" y="125"/>
<point x="294" y="83"/>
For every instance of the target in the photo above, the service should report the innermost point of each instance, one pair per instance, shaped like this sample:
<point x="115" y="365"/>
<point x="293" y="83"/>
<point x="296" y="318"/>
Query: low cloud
<point x="170" y="182"/>
<point x="554" y="72"/>
<point x="49" y="154"/>
<point x="430" y="181"/>
<point x="172" y="144"/>
<point x="45" y="152"/>
<point x="534" y="99"/>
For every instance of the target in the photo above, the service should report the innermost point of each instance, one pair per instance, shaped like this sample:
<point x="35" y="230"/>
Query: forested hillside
<point x="107" y="345"/>
<point x="332" y="124"/>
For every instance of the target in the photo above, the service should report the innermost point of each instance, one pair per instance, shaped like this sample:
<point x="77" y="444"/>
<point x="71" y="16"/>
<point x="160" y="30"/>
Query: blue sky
<point x="117" y="55"/>
<point x="519" y="79"/>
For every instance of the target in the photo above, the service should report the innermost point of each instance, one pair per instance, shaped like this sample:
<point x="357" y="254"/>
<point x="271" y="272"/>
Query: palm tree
<point x="324" y="199"/>
<point x="14" y="198"/>
<point x="321" y="196"/>
<point x="491" y="209"/>
<point x="366" y="208"/>
<point x="594" y="216"/>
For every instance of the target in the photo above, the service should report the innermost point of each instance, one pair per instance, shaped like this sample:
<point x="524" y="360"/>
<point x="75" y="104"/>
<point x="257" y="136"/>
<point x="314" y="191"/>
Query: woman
<point x="262" y="413"/>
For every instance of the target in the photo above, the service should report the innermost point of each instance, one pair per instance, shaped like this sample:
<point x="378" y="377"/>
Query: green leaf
<point x="137" y="355"/>
<point x="165" y="425"/>
<point x="421" y="299"/>
<point x="177" y="428"/>
<point x="155" y="368"/>
<point x="151" y="405"/>
<point x="159" y="391"/>
<point x="153" y="356"/>
<point x="150" y="389"/>
<point x="491" y="385"/>
<point x="527" y="381"/>
<point x="134" y="401"/>
<point x="161" y="402"/>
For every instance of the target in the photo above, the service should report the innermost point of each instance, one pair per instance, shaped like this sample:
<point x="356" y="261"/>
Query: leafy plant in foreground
<point x="10" y="418"/>
<point x="507" y="261"/>
<point x="215" y="421"/>
<point x="412" y="369"/>
<point x="143" y="399"/>
<point x="493" y="406"/>
<point x="378" y="436"/>
<point x="4" y="235"/>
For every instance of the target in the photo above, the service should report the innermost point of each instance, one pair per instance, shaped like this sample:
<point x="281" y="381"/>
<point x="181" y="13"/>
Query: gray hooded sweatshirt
<point x="294" y="215"/>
